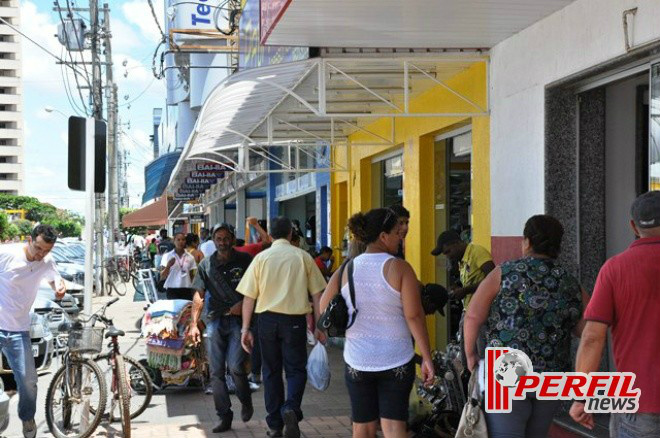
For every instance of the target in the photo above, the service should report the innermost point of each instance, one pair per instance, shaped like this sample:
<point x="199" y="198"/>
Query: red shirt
<point x="251" y="248"/>
<point x="627" y="297"/>
<point x="320" y="263"/>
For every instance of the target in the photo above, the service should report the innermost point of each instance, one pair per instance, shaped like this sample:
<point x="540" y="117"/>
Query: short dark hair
<point x="163" y="232"/>
<point x="325" y="250"/>
<point x="281" y="227"/>
<point x="191" y="239"/>
<point x="181" y="234"/>
<point x="400" y="211"/>
<point x="46" y="232"/>
<point x="544" y="233"/>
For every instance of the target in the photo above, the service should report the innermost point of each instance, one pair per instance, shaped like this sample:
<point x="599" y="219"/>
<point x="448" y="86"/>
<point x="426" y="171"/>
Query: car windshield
<point x="77" y="250"/>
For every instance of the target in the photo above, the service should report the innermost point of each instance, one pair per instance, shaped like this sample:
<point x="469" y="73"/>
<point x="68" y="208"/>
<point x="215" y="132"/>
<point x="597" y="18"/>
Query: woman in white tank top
<point x="379" y="351"/>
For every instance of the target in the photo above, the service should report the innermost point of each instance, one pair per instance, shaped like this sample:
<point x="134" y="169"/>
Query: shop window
<point x="654" y="128"/>
<point x="392" y="181"/>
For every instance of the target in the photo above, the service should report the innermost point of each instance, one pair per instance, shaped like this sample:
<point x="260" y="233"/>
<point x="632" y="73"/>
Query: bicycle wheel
<point x="112" y="278"/>
<point x="120" y="287"/>
<point x="124" y="393"/>
<point x="124" y="274"/>
<point x="142" y="388"/>
<point x="76" y="399"/>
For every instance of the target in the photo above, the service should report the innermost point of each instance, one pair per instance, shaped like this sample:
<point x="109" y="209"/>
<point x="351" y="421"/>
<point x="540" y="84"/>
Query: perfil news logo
<point x="510" y="376"/>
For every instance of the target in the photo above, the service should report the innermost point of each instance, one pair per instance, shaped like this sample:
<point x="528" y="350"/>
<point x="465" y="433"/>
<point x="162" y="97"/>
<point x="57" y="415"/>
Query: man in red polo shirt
<point x="626" y="299"/>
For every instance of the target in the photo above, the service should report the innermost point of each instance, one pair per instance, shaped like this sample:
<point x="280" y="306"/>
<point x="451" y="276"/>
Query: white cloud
<point x="138" y="13"/>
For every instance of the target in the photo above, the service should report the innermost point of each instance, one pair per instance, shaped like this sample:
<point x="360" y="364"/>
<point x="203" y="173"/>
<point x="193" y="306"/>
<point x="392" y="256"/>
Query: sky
<point x="135" y="35"/>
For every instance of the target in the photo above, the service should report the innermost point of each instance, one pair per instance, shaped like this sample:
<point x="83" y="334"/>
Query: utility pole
<point x="97" y="113"/>
<point x="111" y="88"/>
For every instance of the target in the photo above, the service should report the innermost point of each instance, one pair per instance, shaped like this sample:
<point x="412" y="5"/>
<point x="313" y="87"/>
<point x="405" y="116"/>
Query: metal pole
<point x="97" y="112"/>
<point x="89" y="214"/>
<point x="113" y="210"/>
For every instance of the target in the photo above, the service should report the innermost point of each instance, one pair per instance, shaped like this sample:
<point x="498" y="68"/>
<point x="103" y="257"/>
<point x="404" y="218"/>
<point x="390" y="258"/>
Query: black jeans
<point x="283" y="344"/>
<point x="224" y="349"/>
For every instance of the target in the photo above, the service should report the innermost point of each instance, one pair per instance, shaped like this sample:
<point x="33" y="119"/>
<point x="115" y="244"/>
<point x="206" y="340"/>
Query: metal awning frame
<point x="331" y="99"/>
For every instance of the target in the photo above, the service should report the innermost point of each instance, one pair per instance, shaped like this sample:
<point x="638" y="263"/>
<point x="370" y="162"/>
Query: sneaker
<point x="291" y="428"/>
<point x="29" y="429"/>
<point x="254" y="378"/>
<point x="208" y="390"/>
<point x="274" y="433"/>
<point x="254" y="386"/>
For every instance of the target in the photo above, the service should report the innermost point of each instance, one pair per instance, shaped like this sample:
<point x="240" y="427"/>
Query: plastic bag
<point x="318" y="368"/>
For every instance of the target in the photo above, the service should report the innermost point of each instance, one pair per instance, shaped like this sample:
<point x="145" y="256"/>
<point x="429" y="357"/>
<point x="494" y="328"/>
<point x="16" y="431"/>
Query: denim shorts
<point x="635" y="425"/>
<point x="380" y="394"/>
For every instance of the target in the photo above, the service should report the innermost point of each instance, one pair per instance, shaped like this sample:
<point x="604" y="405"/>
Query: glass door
<point x="654" y="128"/>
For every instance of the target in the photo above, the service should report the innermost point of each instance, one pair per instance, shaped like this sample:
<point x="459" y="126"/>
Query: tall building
<point x="11" y="105"/>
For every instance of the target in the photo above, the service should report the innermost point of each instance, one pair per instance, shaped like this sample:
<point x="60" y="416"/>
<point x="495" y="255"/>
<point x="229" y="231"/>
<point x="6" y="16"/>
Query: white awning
<point x="402" y="24"/>
<point x="296" y="109"/>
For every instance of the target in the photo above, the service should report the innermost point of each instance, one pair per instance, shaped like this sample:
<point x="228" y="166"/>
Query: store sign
<point x="207" y="174"/>
<point x="193" y="14"/>
<point x="252" y="53"/>
<point x="204" y="181"/>
<point x="210" y="167"/>
<point x="183" y="198"/>
<point x="197" y="187"/>
<point x="196" y="218"/>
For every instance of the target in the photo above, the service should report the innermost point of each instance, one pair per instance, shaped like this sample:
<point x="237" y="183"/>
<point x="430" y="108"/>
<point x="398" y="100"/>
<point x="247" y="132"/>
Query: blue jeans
<point x="17" y="348"/>
<point x="224" y="349"/>
<point x="634" y="425"/>
<point x="283" y="344"/>
<point x="528" y="418"/>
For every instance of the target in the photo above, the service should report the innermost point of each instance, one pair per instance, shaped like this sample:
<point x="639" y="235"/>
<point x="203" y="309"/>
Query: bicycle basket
<point x="86" y="340"/>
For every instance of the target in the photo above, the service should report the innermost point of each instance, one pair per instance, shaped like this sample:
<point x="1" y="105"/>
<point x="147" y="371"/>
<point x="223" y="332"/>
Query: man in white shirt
<point x="208" y="247"/>
<point x="22" y="267"/>
<point x="177" y="268"/>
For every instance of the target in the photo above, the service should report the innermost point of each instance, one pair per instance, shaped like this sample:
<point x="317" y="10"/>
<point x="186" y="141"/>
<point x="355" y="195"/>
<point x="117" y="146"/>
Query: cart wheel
<point x="154" y="374"/>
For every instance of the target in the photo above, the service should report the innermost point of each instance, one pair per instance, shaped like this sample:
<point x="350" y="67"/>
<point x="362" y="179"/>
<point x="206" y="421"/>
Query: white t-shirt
<point x="19" y="282"/>
<point x="138" y="241"/>
<point x="207" y="248"/>
<point x="180" y="275"/>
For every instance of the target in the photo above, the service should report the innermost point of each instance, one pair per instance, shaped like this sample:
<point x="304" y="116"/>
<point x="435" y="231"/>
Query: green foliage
<point x="24" y="227"/>
<point x="35" y="211"/>
<point x="66" y="223"/>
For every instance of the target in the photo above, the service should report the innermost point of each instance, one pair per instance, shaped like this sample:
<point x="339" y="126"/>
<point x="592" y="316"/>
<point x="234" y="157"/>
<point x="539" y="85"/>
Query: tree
<point x="24" y="227"/>
<point x="4" y="226"/>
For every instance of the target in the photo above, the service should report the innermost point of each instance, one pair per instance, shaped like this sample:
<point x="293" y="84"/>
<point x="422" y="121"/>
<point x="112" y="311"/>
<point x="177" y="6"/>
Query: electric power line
<point x="153" y="13"/>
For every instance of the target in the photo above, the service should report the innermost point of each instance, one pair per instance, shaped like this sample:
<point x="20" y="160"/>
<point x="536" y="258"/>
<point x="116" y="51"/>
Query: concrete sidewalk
<point x="189" y="412"/>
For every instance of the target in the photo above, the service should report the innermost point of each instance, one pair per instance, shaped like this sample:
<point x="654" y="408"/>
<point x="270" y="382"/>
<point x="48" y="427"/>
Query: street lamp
<point x="50" y="109"/>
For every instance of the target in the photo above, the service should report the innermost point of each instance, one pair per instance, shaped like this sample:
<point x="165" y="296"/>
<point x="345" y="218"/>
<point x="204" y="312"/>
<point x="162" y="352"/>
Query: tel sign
<point x="195" y="14"/>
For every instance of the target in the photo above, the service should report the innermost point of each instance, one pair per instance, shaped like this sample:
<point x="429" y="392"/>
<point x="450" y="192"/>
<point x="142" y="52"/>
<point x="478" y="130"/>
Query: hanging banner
<point x="205" y="181"/>
<point x="210" y="167"/>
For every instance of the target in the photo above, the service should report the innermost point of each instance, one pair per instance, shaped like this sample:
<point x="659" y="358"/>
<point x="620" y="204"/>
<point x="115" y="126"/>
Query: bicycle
<point x="114" y="280"/>
<point x="139" y="379"/>
<point x="74" y="384"/>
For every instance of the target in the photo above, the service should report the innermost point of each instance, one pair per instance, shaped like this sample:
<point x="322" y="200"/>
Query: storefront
<point x="437" y="167"/>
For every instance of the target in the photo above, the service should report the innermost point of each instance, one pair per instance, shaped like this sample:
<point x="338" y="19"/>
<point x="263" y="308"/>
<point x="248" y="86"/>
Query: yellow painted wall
<point x="415" y="136"/>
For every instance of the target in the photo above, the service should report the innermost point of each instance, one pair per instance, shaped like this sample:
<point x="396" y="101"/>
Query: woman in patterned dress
<point x="532" y="304"/>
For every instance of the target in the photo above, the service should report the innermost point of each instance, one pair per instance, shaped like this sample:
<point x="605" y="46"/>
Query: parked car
<point x="70" y="303"/>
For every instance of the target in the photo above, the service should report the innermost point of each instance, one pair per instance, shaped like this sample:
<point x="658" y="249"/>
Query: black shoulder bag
<point x="335" y="320"/>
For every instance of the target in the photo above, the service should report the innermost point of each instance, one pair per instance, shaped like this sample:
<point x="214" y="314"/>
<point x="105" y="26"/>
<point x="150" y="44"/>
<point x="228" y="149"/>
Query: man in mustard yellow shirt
<point x="280" y="281"/>
<point x="474" y="263"/>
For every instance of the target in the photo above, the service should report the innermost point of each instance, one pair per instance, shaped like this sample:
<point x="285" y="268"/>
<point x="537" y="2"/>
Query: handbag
<point x="473" y="419"/>
<point x="335" y="320"/>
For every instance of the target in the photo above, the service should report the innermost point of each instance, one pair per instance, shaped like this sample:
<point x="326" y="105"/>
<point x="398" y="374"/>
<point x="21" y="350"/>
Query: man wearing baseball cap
<point x="625" y="300"/>
<point x="474" y="263"/>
